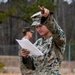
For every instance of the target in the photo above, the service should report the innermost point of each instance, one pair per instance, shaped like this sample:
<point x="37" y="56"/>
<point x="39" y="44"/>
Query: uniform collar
<point x="47" y="39"/>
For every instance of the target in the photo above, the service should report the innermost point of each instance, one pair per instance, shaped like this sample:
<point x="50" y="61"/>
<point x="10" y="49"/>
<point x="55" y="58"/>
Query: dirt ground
<point x="12" y="66"/>
<point x="10" y="74"/>
<point x="20" y="74"/>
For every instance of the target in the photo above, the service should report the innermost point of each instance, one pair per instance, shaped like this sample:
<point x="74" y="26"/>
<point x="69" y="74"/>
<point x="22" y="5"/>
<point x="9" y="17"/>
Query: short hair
<point x="26" y="29"/>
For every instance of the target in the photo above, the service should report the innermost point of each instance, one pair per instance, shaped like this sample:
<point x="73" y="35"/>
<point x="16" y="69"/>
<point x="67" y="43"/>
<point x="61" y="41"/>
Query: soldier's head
<point x="27" y="32"/>
<point x="40" y="24"/>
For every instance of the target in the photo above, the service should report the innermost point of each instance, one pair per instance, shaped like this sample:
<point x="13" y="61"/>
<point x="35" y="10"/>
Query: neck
<point x="27" y="37"/>
<point x="47" y="35"/>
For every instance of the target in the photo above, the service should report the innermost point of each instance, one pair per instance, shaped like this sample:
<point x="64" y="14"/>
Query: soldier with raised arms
<point x="51" y="43"/>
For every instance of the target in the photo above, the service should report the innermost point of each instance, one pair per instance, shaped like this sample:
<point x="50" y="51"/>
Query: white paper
<point x="26" y="44"/>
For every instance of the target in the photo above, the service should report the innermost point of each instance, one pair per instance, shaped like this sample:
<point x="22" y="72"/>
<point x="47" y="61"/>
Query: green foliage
<point x="2" y="16"/>
<point x="25" y="10"/>
<point x="11" y="11"/>
<point x="72" y="42"/>
<point x="6" y="14"/>
<point x="28" y="10"/>
<point x="2" y="65"/>
<point x="46" y="3"/>
<point x="34" y="7"/>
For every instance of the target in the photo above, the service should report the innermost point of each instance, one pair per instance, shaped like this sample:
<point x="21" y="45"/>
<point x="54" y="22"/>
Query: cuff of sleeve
<point x="24" y="60"/>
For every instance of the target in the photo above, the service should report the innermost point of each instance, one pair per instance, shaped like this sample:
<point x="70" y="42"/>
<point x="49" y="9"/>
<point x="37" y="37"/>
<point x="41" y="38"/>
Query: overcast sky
<point x="69" y="1"/>
<point x="3" y="1"/>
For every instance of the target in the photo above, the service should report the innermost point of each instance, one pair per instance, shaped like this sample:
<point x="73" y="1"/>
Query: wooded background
<point x="15" y="14"/>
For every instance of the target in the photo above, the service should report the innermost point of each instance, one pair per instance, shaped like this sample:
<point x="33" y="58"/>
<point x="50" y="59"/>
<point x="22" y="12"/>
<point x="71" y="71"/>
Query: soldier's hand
<point x="44" y="11"/>
<point x="24" y="52"/>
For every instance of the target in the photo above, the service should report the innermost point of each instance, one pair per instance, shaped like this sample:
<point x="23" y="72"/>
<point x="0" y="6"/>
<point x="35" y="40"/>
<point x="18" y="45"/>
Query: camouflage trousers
<point x="38" y="71"/>
<point x="25" y="71"/>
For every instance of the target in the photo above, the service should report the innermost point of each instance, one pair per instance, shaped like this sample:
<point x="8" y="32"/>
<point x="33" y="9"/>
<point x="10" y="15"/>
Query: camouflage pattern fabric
<point x="53" y="48"/>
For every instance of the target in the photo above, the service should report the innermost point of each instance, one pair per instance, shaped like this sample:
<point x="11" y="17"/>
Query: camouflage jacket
<point x="53" y="49"/>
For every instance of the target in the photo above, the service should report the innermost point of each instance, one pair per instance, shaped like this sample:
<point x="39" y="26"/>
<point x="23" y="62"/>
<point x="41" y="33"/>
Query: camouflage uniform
<point x="53" y="48"/>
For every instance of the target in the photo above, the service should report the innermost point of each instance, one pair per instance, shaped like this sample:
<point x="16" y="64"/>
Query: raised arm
<point x="57" y="33"/>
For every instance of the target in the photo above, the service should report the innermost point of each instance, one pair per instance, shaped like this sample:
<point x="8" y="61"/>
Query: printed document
<point x="26" y="44"/>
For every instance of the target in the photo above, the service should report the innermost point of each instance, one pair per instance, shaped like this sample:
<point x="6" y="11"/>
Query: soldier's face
<point x="42" y="30"/>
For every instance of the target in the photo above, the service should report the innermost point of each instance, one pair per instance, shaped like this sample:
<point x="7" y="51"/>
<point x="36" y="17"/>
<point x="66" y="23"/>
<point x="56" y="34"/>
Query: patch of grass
<point x="2" y="65"/>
